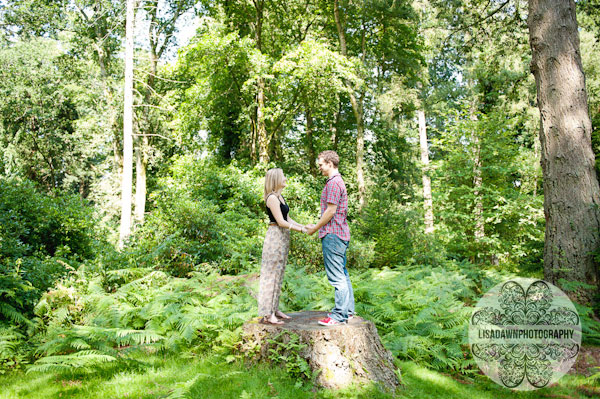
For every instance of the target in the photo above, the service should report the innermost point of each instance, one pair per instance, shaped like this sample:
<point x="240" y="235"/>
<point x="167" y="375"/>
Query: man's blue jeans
<point x="334" y="256"/>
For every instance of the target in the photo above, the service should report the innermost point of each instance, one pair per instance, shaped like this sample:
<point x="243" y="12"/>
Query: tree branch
<point x="155" y="135"/>
<point x="479" y="21"/>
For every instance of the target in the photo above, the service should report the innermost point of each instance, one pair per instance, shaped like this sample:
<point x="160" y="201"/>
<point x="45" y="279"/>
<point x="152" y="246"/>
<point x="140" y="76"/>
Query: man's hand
<point x="325" y="218"/>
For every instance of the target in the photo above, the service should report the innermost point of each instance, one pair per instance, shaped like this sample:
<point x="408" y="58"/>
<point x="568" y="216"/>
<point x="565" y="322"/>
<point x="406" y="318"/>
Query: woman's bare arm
<point x="273" y="204"/>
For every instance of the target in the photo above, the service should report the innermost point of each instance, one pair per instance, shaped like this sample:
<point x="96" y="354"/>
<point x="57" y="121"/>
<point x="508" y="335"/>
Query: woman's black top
<point x="285" y="209"/>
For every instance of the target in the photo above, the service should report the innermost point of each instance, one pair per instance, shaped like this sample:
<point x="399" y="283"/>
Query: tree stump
<point x="342" y="355"/>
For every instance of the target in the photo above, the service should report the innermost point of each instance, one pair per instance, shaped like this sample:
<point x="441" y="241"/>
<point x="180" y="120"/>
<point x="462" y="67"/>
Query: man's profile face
<point x="324" y="167"/>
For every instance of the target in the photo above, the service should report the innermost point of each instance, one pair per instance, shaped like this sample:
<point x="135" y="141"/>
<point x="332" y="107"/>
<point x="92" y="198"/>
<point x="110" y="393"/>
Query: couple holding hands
<point x="333" y="232"/>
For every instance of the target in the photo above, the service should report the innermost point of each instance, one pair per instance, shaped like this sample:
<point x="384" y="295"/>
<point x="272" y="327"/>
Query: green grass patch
<point x="150" y="376"/>
<point x="421" y="382"/>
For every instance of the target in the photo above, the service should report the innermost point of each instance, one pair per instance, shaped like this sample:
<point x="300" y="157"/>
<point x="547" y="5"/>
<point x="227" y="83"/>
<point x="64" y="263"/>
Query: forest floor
<point x="153" y="377"/>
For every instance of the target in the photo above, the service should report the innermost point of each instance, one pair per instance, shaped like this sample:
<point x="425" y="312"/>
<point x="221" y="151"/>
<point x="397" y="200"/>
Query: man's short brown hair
<point x="330" y="156"/>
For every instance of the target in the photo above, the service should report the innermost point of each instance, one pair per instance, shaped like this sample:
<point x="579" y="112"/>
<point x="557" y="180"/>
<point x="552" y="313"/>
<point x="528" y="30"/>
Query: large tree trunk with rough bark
<point x="341" y="355"/>
<point x="571" y="192"/>
<point x="127" y="177"/>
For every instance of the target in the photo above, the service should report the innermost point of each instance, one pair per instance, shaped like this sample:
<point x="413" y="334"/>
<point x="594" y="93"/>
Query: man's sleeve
<point x="333" y="193"/>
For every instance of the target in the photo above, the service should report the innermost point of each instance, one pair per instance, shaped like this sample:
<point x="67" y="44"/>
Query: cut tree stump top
<point x="308" y="321"/>
<point x="342" y="355"/>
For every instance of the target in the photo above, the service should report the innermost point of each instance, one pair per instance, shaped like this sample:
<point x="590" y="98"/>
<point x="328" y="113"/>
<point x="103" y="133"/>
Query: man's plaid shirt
<point x="334" y="192"/>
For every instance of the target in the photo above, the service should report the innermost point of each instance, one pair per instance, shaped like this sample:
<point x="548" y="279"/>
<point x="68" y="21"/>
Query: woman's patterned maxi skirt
<point x="274" y="257"/>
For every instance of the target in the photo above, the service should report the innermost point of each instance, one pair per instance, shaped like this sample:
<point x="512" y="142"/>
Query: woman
<point x="275" y="248"/>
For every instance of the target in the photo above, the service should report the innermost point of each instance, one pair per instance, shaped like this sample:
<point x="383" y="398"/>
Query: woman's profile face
<point x="283" y="181"/>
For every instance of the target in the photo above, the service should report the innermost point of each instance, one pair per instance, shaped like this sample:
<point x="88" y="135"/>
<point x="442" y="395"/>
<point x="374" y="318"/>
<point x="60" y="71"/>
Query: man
<point x="335" y="237"/>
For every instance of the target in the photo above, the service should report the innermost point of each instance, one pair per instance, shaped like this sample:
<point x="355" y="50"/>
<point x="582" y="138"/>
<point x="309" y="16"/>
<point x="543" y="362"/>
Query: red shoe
<point x="328" y="321"/>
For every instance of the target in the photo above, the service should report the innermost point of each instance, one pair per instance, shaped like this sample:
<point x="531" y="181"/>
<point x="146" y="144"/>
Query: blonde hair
<point x="273" y="180"/>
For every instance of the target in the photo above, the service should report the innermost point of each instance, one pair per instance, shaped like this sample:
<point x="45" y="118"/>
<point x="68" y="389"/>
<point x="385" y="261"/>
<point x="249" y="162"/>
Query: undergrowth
<point x="87" y="326"/>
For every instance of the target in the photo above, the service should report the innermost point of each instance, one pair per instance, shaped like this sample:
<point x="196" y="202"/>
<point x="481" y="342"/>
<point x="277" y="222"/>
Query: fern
<point x="154" y="310"/>
<point x="13" y="314"/>
<point x="14" y="350"/>
<point x="419" y="311"/>
<point x="182" y="389"/>
<point x="86" y="359"/>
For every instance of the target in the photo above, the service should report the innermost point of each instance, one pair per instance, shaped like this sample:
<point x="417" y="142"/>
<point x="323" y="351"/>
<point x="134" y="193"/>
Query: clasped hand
<point x="309" y="229"/>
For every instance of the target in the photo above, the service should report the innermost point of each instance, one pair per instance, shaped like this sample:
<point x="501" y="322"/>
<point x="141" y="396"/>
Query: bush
<point x="202" y="214"/>
<point x="35" y="223"/>
<point x="41" y="237"/>
<point x="390" y="233"/>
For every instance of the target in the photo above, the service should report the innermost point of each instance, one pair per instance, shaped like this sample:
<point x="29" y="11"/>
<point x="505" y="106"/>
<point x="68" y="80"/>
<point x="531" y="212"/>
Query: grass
<point x="421" y="382"/>
<point x="151" y="376"/>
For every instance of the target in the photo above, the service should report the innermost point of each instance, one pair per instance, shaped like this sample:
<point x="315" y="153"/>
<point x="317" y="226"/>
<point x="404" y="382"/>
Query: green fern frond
<point x="81" y="359"/>
<point x="13" y="314"/>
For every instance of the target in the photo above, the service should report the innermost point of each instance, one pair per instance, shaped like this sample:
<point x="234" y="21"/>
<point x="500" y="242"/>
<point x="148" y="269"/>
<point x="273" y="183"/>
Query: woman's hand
<point x="310" y="229"/>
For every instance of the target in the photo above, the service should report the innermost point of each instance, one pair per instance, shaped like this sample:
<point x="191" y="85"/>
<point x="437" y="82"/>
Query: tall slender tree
<point x="126" y="183"/>
<point x="162" y="26"/>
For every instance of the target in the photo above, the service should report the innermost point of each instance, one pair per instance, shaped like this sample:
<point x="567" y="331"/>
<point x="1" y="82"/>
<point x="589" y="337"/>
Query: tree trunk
<point x="253" y="138"/>
<point x="261" y="129"/>
<point x="428" y="202"/>
<point x="341" y="355"/>
<point x="112" y="112"/>
<point x="126" y="184"/>
<point x="141" y="161"/>
<point x="310" y="148"/>
<point x="360" y="156"/>
<point x="571" y="192"/>
<point x="335" y="127"/>
<point x="141" y="167"/>
<point x="357" y="108"/>
<point x="477" y="180"/>
<point x="536" y="155"/>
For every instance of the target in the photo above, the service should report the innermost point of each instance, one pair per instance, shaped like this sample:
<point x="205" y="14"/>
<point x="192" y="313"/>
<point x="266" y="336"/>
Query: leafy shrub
<point x="41" y="237"/>
<point x="361" y="253"/>
<point x="305" y="251"/>
<point x="202" y="214"/>
<point x="32" y="222"/>
<point x="390" y="233"/>
<point x="207" y="214"/>
<point x="285" y="349"/>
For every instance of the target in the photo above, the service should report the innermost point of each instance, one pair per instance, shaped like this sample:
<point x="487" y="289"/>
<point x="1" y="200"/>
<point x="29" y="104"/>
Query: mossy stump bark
<point x="341" y="355"/>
